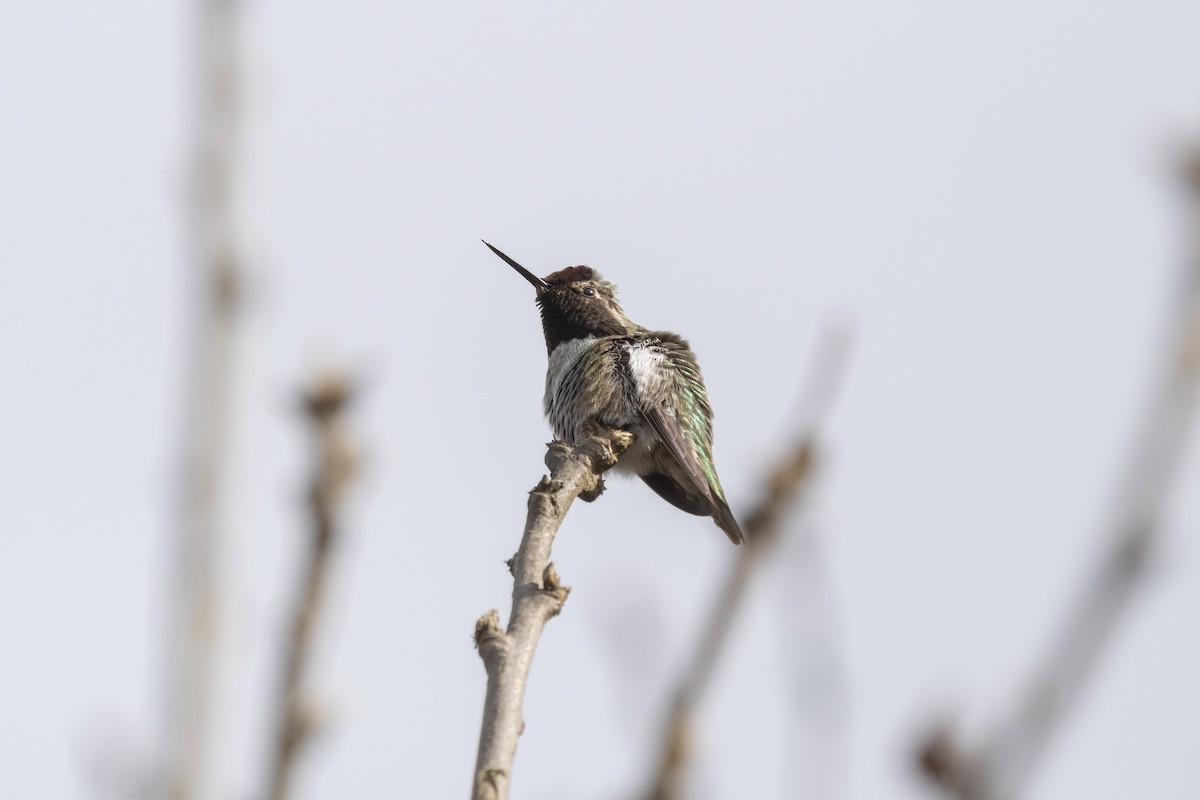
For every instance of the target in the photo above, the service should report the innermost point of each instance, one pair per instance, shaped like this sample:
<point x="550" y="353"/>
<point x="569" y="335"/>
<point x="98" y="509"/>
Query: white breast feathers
<point x="650" y="376"/>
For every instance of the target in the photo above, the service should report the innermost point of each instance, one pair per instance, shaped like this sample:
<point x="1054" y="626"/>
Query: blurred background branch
<point x="1001" y="765"/>
<point x="786" y="486"/>
<point x="337" y="459"/>
<point x="215" y="258"/>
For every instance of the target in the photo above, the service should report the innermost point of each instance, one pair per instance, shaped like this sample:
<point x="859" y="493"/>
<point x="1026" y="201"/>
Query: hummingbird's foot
<point x="605" y="444"/>
<point x="621" y="439"/>
<point x="600" y="444"/>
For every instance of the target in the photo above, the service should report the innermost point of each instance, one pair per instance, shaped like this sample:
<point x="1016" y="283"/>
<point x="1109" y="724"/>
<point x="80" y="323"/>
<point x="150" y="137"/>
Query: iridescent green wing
<point x="692" y="413"/>
<point x="682" y="417"/>
<point x="671" y="398"/>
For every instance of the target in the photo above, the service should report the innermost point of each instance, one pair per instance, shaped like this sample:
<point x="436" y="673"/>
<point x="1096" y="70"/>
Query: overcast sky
<point x="982" y="190"/>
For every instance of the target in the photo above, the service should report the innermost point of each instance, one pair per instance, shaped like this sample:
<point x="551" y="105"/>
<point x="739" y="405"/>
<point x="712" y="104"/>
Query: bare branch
<point x="1001" y="765"/>
<point x="786" y="485"/>
<point x="211" y="222"/>
<point x="337" y="462"/>
<point x="537" y="596"/>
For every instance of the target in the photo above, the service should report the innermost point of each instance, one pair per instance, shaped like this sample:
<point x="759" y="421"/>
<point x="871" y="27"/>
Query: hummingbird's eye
<point x="588" y="291"/>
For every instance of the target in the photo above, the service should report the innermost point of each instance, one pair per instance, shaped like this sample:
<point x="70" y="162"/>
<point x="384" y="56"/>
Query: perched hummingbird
<point x="605" y="368"/>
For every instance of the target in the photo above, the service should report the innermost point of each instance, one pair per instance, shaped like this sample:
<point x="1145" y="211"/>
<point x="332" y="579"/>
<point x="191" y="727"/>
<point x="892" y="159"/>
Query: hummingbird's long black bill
<point x="529" y="276"/>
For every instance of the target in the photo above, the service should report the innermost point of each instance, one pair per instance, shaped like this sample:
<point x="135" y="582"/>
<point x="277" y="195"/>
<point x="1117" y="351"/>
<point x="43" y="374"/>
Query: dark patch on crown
<point x="571" y="275"/>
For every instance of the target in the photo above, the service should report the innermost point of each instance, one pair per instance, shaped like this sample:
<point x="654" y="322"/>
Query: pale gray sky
<point x="983" y="188"/>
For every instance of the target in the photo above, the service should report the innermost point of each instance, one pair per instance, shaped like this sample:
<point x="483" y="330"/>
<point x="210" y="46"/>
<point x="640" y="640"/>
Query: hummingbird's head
<point x="576" y="302"/>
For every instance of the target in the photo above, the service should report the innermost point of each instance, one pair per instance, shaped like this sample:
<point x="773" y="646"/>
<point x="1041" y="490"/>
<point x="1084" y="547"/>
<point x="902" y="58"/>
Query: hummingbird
<point x="606" y="369"/>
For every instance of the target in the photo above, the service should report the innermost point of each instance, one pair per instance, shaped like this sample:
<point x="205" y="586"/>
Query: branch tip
<point x="550" y="580"/>
<point x="936" y="755"/>
<point x="488" y="628"/>
<point x="330" y="393"/>
<point x="553" y="589"/>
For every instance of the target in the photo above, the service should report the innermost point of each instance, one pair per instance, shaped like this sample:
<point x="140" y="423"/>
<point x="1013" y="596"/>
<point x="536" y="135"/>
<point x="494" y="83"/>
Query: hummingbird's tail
<point x="709" y="504"/>
<point x="725" y="521"/>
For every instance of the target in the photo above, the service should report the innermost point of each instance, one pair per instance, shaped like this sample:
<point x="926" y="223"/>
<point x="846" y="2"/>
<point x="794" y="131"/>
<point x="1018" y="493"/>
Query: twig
<point x="337" y="461"/>
<point x="211" y="223"/>
<point x="786" y="484"/>
<point x="537" y="596"/>
<point x="1001" y="765"/>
